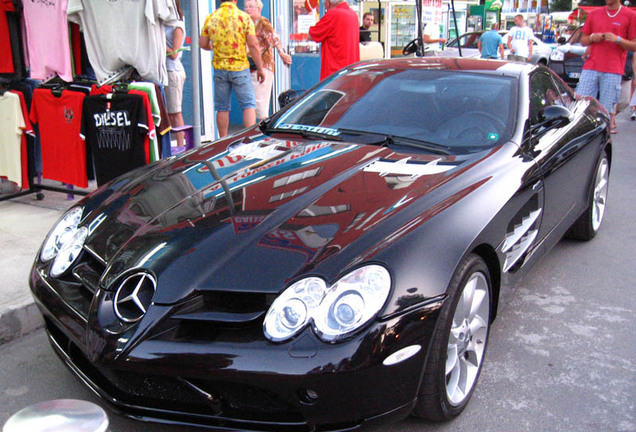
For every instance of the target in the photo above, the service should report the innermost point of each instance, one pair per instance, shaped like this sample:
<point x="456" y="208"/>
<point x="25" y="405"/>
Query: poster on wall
<point x="432" y="11"/>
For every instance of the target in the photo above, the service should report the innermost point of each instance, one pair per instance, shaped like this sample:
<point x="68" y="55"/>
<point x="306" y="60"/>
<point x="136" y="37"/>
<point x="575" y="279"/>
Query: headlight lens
<point x="335" y="311"/>
<point x="69" y="252"/>
<point x="61" y="234"/>
<point x="291" y="310"/>
<point x="557" y="55"/>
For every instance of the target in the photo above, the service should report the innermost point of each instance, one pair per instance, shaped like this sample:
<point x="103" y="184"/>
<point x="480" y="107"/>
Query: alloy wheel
<point x="600" y="193"/>
<point x="467" y="338"/>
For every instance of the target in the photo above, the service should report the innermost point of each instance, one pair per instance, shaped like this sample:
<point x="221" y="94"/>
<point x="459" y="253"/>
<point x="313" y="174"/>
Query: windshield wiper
<point x="304" y="133"/>
<point x="388" y="140"/>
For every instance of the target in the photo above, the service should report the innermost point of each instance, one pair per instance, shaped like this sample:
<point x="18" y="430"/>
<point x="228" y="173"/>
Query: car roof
<point x="494" y="67"/>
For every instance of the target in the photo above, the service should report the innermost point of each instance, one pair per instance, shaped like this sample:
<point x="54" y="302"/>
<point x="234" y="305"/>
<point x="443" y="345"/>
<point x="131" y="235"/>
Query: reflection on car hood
<point x="203" y="220"/>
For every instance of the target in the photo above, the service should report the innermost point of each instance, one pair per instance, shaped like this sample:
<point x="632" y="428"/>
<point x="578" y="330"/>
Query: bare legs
<point x="176" y="120"/>
<point x="223" y="120"/>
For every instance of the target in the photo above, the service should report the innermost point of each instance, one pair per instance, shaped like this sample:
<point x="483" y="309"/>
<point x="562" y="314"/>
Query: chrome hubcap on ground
<point x="600" y="194"/>
<point x="467" y="339"/>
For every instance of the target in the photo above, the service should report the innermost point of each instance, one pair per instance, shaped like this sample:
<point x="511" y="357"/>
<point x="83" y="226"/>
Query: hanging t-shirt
<point x="11" y="130"/>
<point x="105" y="89"/>
<point x="47" y="36"/>
<point x="28" y="130"/>
<point x="125" y="33"/>
<point x="6" y="52"/>
<point x="17" y="35"/>
<point x="63" y="151"/>
<point x="114" y="127"/>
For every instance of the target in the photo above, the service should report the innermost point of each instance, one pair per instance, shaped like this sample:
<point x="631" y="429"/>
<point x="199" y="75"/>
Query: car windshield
<point x="452" y="111"/>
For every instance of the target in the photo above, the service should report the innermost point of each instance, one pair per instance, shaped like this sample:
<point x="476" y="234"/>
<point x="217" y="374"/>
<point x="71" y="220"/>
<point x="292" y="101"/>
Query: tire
<point x="588" y="224"/>
<point x="459" y="343"/>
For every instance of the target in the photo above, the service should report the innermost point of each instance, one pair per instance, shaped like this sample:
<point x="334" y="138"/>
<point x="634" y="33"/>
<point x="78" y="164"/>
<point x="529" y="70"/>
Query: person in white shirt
<point x="432" y="40"/>
<point x="520" y="41"/>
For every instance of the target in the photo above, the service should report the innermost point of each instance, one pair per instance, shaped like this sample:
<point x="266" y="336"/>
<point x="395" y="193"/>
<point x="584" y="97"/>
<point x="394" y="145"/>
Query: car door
<point x="566" y="154"/>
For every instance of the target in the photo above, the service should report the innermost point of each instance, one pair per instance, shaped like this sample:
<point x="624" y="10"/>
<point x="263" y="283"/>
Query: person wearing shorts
<point x="226" y="32"/>
<point x="609" y="32"/>
<point x="175" y="35"/>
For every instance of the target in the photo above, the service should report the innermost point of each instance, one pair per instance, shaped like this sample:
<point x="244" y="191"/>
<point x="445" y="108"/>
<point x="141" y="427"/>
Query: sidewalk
<point x="24" y="223"/>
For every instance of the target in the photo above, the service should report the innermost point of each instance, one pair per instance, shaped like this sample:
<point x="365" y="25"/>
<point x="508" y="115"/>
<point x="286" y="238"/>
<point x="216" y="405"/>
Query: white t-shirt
<point x="120" y="33"/>
<point x="432" y="30"/>
<point x="519" y="40"/>
<point x="11" y="129"/>
<point x="174" y="65"/>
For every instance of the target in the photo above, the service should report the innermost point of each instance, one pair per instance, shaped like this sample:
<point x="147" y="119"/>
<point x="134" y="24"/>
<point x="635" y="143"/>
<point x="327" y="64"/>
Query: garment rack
<point x="37" y="188"/>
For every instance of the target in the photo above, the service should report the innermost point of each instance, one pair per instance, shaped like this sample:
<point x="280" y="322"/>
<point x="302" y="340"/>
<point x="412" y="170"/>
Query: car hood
<point x="208" y="219"/>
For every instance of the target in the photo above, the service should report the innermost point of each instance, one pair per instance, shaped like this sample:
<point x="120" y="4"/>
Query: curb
<point x="18" y="321"/>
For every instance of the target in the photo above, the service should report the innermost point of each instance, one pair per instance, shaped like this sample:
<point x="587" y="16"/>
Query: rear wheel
<point x="588" y="224"/>
<point x="459" y="343"/>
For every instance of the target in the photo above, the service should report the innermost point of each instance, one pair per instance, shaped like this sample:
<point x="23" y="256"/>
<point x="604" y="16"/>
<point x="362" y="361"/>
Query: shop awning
<point x="581" y="12"/>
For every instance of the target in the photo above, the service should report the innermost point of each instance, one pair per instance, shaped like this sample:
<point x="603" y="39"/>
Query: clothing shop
<point x="83" y="100"/>
<point x="86" y="99"/>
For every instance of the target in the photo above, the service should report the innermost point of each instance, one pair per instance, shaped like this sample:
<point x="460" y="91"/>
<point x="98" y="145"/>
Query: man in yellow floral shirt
<point x="226" y="32"/>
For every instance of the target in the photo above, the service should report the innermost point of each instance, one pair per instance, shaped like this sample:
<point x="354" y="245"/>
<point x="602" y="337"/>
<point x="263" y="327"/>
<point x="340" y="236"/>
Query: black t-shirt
<point x="114" y="126"/>
<point x="365" y="35"/>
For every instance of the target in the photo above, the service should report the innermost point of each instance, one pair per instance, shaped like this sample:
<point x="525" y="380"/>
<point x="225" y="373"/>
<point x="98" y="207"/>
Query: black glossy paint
<point x="224" y="234"/>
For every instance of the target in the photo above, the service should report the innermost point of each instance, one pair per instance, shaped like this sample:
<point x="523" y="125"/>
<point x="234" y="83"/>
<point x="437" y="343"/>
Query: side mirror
<point x="561" y="40"/>
<point x="287" y="97"/>
<point x="553" y="116"/>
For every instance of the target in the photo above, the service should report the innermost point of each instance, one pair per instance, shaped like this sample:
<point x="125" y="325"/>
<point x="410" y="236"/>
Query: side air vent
<point x="519" y="240"/>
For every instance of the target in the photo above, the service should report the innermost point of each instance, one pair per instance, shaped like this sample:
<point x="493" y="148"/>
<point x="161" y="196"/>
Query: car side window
<point x="543" y="93"/>
<point x="567" y="95"/>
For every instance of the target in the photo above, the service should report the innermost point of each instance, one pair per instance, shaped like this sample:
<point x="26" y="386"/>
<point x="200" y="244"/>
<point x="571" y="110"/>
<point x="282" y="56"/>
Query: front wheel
<point x="459" y="343"/>
<point x="588" y="224"/>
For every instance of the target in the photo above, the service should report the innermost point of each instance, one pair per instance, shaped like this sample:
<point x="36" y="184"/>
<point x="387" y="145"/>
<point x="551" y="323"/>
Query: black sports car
<point x="338" y="264"/>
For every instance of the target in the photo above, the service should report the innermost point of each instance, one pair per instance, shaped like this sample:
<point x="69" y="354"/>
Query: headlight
<point x="61" y="234"/>
<point x="69" y="252"/>
<point x="335" y="311"/>
<point x="557" y="55"/>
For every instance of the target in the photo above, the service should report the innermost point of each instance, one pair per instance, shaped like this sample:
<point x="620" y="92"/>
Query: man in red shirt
<point x="609" y="32"/>
<point x="339" y="36"/>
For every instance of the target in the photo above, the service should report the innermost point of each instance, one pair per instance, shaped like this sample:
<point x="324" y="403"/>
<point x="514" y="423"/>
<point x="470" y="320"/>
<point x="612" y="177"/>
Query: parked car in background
<point x="339" y="263"/>
<point x="468" y="42"/>
<point x="566" y="59"/>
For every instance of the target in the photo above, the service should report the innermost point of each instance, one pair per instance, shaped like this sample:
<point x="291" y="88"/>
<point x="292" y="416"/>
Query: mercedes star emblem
<point x="133" y="297"/>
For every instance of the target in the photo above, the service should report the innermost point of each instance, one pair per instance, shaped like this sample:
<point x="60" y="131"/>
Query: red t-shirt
<point x="63" y="150"/>
<point x="339" y="35"/>
<point x="6" y="52"/>
<point x="609" y="56"/>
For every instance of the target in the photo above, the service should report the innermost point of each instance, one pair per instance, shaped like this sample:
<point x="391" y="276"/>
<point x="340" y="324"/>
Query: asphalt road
<point x="562" y="353"/>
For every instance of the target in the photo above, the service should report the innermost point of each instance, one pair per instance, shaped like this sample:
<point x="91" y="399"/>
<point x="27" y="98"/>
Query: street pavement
<point x="561" y="357"/>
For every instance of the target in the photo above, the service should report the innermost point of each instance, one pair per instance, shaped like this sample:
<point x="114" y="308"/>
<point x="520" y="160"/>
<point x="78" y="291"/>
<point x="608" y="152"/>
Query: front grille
<point x="233" y="402"/>
<point x="78" y="287"/>
<point x="558" y="67"/>
<point x="209" y="314"/>
<point x="573" y="65"/>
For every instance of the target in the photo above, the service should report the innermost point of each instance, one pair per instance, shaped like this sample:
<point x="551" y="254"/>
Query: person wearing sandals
<point x="175" y="36"/>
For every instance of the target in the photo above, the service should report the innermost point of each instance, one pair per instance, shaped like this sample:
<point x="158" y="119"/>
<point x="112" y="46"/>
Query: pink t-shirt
<point x="48" y="44"/>
<point x="609" y="56"/>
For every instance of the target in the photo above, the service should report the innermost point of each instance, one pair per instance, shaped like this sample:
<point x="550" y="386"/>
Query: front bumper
<point x="238" y="380"/>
